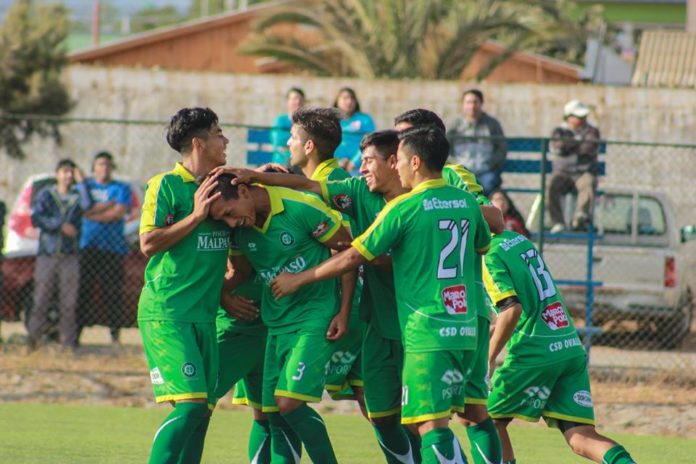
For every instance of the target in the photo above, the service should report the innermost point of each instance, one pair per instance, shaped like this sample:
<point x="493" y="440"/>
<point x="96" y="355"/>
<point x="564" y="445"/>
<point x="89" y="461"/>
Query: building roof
<point x="666" y="59"/>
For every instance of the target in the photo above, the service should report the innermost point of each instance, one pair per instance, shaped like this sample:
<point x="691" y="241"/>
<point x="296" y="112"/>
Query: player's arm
<point x="248" y="176"/>
<point x="494" y="218"/>
<point x="159" y="239"/>
<point x="239" y="270"/>
<point x="509" y="314"/>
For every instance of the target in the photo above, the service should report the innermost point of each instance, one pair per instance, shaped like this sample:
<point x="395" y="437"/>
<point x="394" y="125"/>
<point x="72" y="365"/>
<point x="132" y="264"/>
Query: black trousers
<point x="101" y="289"/>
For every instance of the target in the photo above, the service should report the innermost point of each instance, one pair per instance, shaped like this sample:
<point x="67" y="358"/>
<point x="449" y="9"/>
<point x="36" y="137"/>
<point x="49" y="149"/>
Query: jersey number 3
<point x="458" y="238"/>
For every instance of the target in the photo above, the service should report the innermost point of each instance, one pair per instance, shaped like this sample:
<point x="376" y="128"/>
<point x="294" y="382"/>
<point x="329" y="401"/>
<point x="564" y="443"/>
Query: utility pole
<point x="691" y="16"/>
<point x="96" y="26"/>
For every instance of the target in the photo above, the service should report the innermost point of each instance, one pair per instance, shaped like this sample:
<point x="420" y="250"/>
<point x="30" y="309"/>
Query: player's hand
<point x="340" y="246"/>
<point x="239" y="307"/>
<point x="68" y="230"/>
<point x="244" y="176"/>
<point x="384" y="262"/>
<point x="272" y="166"/>
<point x="491" y="370"/>
<point x="202" y="199"/>
<point x="337" y="327"/>
<point x="284" y="284"/>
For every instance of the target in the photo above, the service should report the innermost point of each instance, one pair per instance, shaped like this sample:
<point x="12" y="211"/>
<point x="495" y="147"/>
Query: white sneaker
<point x="557" y="228"/>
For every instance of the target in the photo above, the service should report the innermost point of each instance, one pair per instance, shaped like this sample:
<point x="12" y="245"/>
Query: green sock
<point x="440" y="446"/>
<point x="260" y="442"/>
<point x="617" y="455"/>
<point x="485" y="442"/>
<point x="286" y="446"/>
<point x="394" y="441"/>
<point x="514" y="461"/>
<point x="175" y="431"/>
<point x="311" y="429"/>
<point x="193" y="449"/>
<point x="415" y="440"/>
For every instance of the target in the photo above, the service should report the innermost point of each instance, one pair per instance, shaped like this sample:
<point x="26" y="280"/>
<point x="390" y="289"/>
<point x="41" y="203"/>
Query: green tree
<point x="434" y="39"/>
<point x="32" y="56"/>
<point x="151" y="17"/>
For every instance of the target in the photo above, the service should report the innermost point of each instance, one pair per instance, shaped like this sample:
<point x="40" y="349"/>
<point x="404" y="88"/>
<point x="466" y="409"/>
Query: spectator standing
<point x="57" y="213"/>
<point x="512" y="218"/>
<point x="574" y="148"/>
<point x="477" y="142"/>
<point x="280" y="133"/>
<point x="103" y="245"/>
<point x="354" y="125"/>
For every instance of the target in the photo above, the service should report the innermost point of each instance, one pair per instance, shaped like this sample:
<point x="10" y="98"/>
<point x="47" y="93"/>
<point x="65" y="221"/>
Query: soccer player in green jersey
<point x="483" y="437"/>
<point x="314" y="136"/>
<point x="545" y="371"/>
<point x="274" y="230"/>
<point x="183" y="281"/>
<point x="433" y="233"/>
<point x="362" y="199"/>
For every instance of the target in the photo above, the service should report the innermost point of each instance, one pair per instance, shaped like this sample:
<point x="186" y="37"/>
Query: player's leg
<point x="182" y="358"/>
<point x="286" y="446"/>
<point x="482" y="433"/>
<point x="301" y="380"/>
<point x="570" y="408"/>
<point x="344" y="369"/>
<point x="259" y="447"/>
<point x="433" y="387"/>
<point x="508" y="454"/>
<point x="382" y="363"/>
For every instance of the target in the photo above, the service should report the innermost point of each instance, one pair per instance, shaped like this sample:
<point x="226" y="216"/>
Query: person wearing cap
<point x="103" y="245"/>
<point x="574" y="147"/>
<point x="477" y="142"/>
<point x="57" y="213"/>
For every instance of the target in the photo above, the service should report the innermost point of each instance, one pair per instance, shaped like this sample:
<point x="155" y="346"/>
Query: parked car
<point x="642" y="260"/>
<point x="21" y="248"/>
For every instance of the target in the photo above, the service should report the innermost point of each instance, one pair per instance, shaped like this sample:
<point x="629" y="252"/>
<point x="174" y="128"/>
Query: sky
<point x="83" y="8"/>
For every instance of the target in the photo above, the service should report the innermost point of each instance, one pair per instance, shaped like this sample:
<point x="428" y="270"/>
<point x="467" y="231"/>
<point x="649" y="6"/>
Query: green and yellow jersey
<point x="291" y="241"/>
<point x="434" y="233"/>
<point x="184" y="282"/>
<point x="378" y="302"/>
<point x="251" y="290"/>
<point x="545" y="331"/>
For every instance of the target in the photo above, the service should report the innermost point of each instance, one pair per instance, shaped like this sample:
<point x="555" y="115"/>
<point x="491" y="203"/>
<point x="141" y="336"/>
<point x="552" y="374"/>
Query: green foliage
<point x="201" y="8"/>
<point x="31" y="60"/>
<point x="34" y="433"/>
<point x="434" y="39"/>
<point x="151" y="17"/>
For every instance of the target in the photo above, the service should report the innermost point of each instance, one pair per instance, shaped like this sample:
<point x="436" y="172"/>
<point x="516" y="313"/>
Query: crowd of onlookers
<point x="81" y="220"/>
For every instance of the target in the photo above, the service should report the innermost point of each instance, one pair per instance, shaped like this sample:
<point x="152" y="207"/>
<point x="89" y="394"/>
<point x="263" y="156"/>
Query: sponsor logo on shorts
<point x="583" y="398"/>
<point x="343" y="357"/>
<point x="454" y="299"/>
<point x="321" y="229"/>
<point x="286" y="239"/>
<point x="188" y="369"/>
<point x="168" y="220"/>
<point x="452" y="376"/>
<point x="436" y="203"/>
<point x="342" y="201"/>
<point x="251" y="246"/>
<point x="156" y="376"/>
<point x="536" y="397"/>
<point x="554" y="316"/>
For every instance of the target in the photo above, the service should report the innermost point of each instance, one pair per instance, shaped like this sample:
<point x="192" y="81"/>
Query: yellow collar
<point x="277" y="206"/>
<point x="428" y="184"/>
<point x="184" y="173"/>
<point x="324" y="169"/>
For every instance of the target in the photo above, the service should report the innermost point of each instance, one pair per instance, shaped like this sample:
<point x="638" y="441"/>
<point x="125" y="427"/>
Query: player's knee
<point x="258" y="414"/>
<point x="193" y="409"/>
<point x="287" y="405"/>
<point x="501" y="424"/>
<point x="379" y="421"/>
<point x="473" y="414"/>
<point x="580" y="437"/>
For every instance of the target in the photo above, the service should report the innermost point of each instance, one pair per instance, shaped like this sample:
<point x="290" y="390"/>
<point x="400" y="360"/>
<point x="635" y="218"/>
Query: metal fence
<point x="628" y="280"/>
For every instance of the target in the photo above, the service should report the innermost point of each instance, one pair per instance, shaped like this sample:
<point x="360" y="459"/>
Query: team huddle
<point x="377" y="289"/>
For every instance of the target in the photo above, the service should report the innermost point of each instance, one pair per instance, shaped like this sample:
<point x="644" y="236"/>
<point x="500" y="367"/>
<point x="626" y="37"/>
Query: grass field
<point x="38" y="433"/>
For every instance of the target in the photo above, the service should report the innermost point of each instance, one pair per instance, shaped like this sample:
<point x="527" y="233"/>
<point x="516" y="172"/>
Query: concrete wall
<point x="629" y="114"/>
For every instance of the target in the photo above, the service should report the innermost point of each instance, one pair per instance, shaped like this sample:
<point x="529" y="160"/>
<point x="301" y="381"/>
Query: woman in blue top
<point x="280" y="132"/>
<point x="354" y="126"/>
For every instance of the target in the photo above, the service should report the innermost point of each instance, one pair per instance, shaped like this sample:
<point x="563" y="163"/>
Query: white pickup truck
<point x="642" y="262"/>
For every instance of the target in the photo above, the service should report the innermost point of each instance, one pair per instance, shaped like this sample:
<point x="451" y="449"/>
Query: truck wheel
<point x="672" y="331"/>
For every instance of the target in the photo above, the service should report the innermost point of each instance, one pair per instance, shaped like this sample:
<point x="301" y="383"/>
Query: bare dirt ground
<point x="627" y="399"/>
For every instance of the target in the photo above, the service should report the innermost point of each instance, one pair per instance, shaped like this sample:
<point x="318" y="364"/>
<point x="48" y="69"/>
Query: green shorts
<point x="382" y="363"/>
<point x="249" y="392"/>
<point x="183" y="359"/>
<point x="344" y="368"/>
<point x="434" y="384"/>
<point x="241" y="357"/>
<point x="555" y="391"/>
<point x="476" y="389"/>
<point x="295" y="366"/>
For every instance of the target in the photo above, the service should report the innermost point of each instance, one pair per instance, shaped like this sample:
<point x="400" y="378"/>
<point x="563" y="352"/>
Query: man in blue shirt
<point x="103" y="245"/>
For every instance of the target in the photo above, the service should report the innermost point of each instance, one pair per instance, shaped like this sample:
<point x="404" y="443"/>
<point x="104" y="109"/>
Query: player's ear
<point x="243" y="191"/>
<point x="391" y="160"/>
<point x="415" y="162"/>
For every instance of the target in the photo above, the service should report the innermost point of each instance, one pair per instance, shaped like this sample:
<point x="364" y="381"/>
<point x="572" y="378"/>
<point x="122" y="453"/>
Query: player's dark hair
<point x="188" y="123"/>
<point x="296" y="90"/>
<point x="428" y="143"/>
<point x="65" y="163"/>
<point x="420" y="117"/>
<point x="352" y="95"/>
<point x="225" y="187"/>
<point x="475" y="92"/>
<point x="385" y="142"/>
<point x="322" y="125"/>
